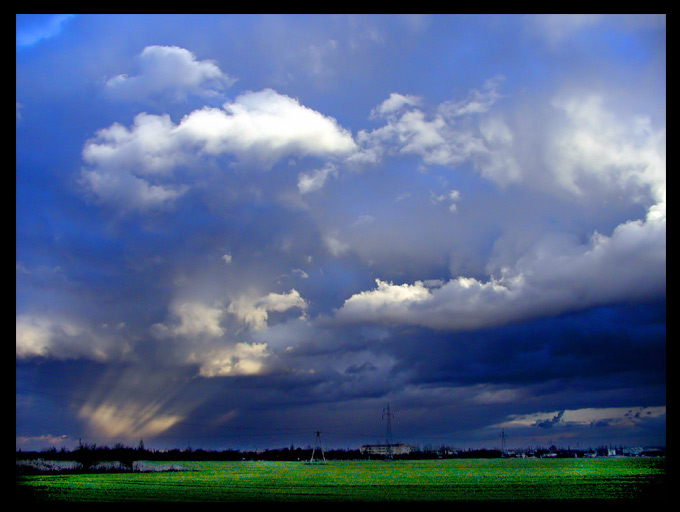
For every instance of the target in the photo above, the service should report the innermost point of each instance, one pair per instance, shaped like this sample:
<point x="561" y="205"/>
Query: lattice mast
<point x="319" y="446"/>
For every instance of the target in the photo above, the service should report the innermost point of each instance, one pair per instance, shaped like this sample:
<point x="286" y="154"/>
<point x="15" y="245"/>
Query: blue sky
<point x="233" y="231"/>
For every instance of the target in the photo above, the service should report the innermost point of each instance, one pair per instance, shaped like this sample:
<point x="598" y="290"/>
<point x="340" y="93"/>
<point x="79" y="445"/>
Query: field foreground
<point x="599" y="479"/>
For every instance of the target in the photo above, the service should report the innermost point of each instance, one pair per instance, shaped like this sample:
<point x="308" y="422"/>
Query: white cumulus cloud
<point x="134" y="167"/>
<point x="556" y="275"/>
<point x="254" y="311"/>
<point x="172" y="71"/>
<point x="394" y="103"/>
<point x="192" y="319"/>
<point x="263" y="127"/>
<point x="62" y="338"/>
<point x="240" y="359"/>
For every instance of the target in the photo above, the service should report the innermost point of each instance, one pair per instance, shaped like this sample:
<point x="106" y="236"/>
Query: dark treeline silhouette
<point x="90" y="456"/>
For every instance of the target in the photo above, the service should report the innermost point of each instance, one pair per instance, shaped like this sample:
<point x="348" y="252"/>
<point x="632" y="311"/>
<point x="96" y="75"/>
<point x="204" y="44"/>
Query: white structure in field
<point x="385" y="450"/>
<point x="388" y="449"/>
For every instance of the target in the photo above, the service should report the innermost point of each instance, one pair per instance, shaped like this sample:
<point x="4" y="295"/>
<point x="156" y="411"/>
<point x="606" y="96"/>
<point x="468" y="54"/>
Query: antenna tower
<point x="318" y="445"/>
<point x="387" y="414"/>
<point x="503" y="436"/>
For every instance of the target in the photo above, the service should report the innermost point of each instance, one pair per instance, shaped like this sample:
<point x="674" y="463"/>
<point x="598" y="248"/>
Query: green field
<point x="599" y="479"/>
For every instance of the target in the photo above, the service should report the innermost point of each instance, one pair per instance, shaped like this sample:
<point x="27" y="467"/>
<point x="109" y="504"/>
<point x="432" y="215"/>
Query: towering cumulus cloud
<point x="135" y="167"/>
<point x="590" y="154"/>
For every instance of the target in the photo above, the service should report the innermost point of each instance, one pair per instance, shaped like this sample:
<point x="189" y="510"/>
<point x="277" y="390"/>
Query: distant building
<point x="383" y="450"/>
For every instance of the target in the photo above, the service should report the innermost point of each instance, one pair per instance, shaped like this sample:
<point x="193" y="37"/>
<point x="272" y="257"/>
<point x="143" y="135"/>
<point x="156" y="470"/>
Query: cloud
<point x="487" y="394"/>
<point x="314" y="180"/>
<point x="620" y="417"/>
<point x="335" y="246"/>
<point x="34" y="28"/>
<point x="435" y="138"/>
<point x="38" y="442"/>
<point x="595" y="147"/>
<point x="61" y="338"/>
<point x="575" y="146"/>
<point x="263" y="127"/>
<point x="301" y="273"/>
<point x="578" y="146"/>
<point x="555" y="276"/>
<point x="127" y="192"/>
<point x="583" y="153"/>
<point x="240" y="359"/>
<point x="254" y="311"/>
<point x="169" y="71"/>
<point x="394" y="103"/>
<point x="496" y="160"/>
<point x="363" y="219"/>
<point x="150" y="147"/>
<point x="192" y="319"/>
<point x="135" y="168"/>
<point x="549" y="422"/>
<point x="452" y="198"/>
<point x="477" y="102"/>
<point x="485" y="210"/>
<point x="201" y="335"/>
<point x="121" y="162"/>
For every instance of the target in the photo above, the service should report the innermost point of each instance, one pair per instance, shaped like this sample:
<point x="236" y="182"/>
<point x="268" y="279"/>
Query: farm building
<point x="385" y="449"/>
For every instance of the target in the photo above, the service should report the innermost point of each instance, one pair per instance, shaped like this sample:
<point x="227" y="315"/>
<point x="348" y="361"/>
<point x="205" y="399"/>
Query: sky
<point x="233" y="231"/>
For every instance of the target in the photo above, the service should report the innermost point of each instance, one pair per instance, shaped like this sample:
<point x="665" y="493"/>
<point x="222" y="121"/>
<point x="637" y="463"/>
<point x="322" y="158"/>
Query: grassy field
<point x="600" y="479"/>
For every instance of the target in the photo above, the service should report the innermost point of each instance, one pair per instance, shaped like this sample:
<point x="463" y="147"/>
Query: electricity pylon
<point x="317" y="444"/>
<point x="388" y="434"/>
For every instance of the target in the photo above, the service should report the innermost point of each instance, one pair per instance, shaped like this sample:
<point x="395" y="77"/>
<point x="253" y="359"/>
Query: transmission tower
<point x="318" y="445"/>
<point x="387" y="415"/>
<point x="503" y="436"/>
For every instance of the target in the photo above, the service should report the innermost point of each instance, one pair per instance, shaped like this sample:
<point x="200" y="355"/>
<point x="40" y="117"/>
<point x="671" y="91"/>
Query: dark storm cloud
<point x="608" y="348"/>
<point x="549" y="423"/>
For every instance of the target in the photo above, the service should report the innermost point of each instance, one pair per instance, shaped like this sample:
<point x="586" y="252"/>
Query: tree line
<point x="91" y="455"/>
<point x="88" y="455"/>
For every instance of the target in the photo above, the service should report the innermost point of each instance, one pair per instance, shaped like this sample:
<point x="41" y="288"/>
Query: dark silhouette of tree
<point x="86" y="455"/>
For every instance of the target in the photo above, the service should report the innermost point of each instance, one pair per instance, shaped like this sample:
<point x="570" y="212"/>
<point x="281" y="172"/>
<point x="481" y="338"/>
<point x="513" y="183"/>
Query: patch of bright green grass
<point x="438" y="480"/>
